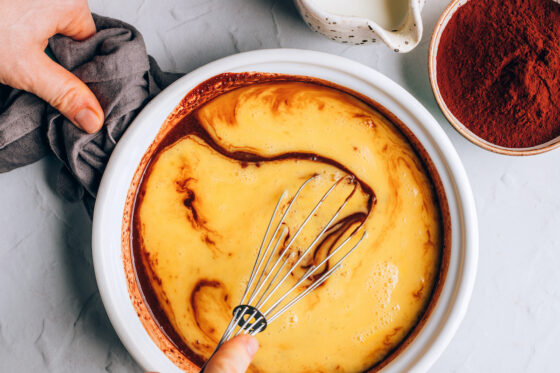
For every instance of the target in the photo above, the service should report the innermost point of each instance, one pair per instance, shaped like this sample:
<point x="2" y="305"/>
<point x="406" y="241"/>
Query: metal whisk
<point x="250" y="316"/>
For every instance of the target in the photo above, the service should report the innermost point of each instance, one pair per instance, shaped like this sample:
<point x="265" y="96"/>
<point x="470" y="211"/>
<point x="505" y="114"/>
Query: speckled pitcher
<point x="358" y="30"/>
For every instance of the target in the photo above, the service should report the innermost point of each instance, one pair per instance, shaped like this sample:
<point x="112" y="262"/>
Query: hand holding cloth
<point x="116" y="67"/>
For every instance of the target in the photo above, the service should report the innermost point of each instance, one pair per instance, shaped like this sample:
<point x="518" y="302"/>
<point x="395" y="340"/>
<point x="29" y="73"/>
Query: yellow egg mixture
<point x="208" y="197"/>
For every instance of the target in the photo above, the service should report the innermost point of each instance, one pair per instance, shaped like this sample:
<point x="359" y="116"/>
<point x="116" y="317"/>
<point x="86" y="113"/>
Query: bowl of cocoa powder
<point x="494" y="68"/>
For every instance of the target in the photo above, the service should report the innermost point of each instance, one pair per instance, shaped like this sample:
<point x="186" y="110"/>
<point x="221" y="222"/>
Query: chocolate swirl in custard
<point x="208" y="191"/>
<point x="191" y="126"/>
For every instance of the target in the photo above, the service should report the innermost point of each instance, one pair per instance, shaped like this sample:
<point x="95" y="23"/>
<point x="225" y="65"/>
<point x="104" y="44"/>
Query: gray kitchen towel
<point x="115" y="65"/>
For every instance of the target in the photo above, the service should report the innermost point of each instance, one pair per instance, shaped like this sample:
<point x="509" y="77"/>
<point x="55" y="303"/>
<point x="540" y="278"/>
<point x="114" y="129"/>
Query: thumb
<point x="234" y="356"/>
<point x="66" y="93"/>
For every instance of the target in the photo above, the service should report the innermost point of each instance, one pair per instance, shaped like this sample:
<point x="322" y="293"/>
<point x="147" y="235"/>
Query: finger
<point x="79" y="25"/>
<point x="65" y="92"/>
<point x="234" y="356"/>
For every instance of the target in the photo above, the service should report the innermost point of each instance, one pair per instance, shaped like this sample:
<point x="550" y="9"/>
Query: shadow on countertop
<point x="91" y="328"/>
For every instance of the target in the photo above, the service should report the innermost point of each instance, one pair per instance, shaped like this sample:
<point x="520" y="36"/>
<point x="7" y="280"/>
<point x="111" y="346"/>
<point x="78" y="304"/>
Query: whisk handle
<point x="210" y="358"/>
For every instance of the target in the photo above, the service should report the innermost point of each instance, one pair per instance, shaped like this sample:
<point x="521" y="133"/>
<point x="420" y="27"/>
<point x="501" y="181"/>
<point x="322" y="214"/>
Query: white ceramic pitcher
<point x="356" y="29"/>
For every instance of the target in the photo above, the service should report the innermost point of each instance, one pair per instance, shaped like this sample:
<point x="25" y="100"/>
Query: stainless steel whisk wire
<point x="247" y="311"/>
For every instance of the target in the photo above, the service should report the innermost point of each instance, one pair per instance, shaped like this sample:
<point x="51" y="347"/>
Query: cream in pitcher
<point x="389" y="14"/>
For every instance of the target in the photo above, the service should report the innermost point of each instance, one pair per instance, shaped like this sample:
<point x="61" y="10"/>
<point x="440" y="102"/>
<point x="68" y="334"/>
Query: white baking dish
<point x="451" y="306"/>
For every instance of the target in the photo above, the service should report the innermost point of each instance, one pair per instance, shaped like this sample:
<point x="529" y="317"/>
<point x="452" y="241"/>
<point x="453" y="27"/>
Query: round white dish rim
<point x="445" y="317"/>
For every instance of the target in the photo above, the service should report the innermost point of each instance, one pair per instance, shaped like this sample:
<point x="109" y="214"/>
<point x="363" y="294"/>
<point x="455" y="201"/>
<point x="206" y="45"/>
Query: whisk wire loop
<point x="248" y="316"/>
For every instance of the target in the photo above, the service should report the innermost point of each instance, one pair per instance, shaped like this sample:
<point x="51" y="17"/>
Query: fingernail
<point x="87" y="120"/>
<point x="252" y="346"/>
